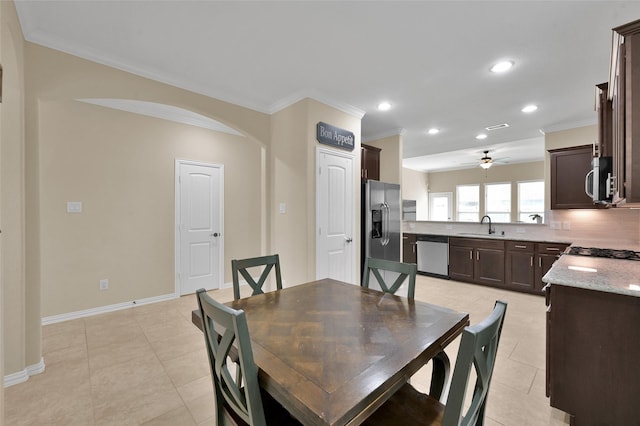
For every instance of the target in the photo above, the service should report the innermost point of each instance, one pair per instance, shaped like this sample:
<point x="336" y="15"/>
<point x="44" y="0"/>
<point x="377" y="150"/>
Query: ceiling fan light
<point x="502" y="66"/>
<point x="485" y="165"/>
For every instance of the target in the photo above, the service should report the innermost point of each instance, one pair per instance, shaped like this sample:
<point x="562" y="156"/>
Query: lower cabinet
<point x="592" y="355"/>
<point x="520" y="271"/>
<point x="409" y="252"/>
<point x="514" y="265"/>
<point x="477" y="260"/>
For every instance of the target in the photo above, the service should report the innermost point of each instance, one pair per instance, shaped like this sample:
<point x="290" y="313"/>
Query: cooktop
<point x="602" y="252"/>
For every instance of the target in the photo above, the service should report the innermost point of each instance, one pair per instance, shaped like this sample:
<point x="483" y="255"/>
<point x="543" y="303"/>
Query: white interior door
<point x="335" y="216"/>
<point x="199" y="238"/>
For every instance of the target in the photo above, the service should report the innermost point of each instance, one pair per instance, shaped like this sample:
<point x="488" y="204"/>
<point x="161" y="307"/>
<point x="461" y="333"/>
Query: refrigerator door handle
<point x="385" y="224"/>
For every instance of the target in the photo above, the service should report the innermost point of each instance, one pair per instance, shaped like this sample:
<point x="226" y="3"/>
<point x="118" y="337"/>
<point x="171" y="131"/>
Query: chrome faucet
<point x="491" y="231"/>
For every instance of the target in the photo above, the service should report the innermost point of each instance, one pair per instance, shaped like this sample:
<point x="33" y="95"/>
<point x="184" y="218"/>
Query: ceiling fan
<point x="486" y="161"/>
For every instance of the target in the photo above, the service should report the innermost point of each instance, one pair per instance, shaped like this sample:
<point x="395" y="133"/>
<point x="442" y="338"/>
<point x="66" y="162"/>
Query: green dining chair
<point x="406" y="270"/>
<point x="238" y="397"/>
<point x="239" y="267"/>
<point x="441" y="366"/>
<point x="478" y="349"/>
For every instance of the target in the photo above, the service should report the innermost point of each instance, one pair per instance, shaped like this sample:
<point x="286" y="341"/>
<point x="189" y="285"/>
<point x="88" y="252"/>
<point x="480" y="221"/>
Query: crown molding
<point x="393" y="132"/>
<point x="566" y="126"/>
<point x="316" y="96"/>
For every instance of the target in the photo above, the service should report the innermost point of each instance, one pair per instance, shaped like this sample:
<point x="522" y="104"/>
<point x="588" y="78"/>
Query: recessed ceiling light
<point x="529" y="108"/>
<point x="481" y="136"/>
<point x="384" y="106"/>
<point x="433" y="131"/>
<point x="502" y="66"/>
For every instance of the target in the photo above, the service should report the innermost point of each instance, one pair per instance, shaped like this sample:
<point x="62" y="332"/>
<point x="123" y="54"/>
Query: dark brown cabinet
<point x="546" y="255"/>
<point x="520" y="271"/>
<point x="477" y="260"/>
<point x="605" y="121"/>
<point x="370" y="162"/>
<point x="592" y="355"/>
<point x="409" y="249"/>
<point x="624" y="94"/>
<point x="569" y="167"/>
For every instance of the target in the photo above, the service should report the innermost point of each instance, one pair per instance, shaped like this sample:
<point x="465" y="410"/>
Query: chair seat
<point x="410" y="405"/>
<point x="274" y="413"/>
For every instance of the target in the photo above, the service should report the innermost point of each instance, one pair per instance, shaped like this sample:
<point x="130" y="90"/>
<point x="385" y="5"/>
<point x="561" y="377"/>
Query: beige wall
<point x="293" y="164"/>
<point x="121" y="167"/>
<point x="390" y="158"/>
<point x="13" y="321"/>
<point x="415" y="186"/>
<point x="513" y="173"/>
<point x="563" y="139"/>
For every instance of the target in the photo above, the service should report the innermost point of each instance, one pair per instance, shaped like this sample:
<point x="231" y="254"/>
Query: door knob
<point x="348" y="239"/>
<point x="215" y="234"/>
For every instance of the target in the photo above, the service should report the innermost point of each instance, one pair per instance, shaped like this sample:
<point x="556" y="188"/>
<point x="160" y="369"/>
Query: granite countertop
<point x="517" y="237"/>
<point x="596" y="273"/>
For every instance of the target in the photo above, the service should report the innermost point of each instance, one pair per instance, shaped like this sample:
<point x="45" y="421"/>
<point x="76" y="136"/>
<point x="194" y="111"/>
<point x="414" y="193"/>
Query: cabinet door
<point x="489" y="266"/>
<point x="370" y="160"/>
<point x="461" y="263"/>
<point x="520" y="270"/>
<point x="409" y="254"/>
<point x="546" y="255"/>
<point x="569" y="167"/>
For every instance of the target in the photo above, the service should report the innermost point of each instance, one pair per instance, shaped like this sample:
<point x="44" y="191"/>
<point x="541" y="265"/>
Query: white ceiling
<point x="430" y="59"/>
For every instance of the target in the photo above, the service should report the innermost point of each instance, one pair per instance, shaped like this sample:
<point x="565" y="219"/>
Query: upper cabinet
<point x="569" y="166"/>
<point x="623" y="92"/>
<point x="370" y="162"/>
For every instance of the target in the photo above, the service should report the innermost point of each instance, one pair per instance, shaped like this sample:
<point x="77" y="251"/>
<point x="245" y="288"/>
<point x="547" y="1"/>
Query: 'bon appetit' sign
<point x="331" y="135"/>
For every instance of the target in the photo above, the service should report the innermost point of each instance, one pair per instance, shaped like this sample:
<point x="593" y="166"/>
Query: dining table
<point x="331" y="352"/>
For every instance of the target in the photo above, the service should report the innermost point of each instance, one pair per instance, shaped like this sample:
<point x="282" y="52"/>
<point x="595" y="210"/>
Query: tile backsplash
<point x="613" y="228"/>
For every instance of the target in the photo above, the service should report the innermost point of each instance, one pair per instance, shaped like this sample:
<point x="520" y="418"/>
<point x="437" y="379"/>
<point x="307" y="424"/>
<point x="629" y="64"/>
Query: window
<point x="498" y="201"/>
<point x="468" y="203"/>
<point x="440" y="206"/>
<point x="530" y="200"/>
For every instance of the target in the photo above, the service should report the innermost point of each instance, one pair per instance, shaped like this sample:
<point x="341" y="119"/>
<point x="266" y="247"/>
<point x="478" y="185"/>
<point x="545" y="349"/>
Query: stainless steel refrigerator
<point x="381" y="219"/>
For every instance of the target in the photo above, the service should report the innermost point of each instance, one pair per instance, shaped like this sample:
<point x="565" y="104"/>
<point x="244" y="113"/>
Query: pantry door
<point x="336" y="212"/>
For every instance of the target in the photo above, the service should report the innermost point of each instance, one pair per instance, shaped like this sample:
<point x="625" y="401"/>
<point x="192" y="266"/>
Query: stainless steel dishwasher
<point x="433" y="255"/>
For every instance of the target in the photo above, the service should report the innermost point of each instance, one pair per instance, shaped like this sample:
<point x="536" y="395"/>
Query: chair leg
<point x="440" y="377"/>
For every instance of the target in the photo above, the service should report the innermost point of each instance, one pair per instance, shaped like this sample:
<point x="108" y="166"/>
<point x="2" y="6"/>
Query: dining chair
<point x="241" y="266"/>
<point x="406" y="270"/>
<point x="238" y="397"/>
<point x="441" y="365"/>
<point x="478" y="348"/>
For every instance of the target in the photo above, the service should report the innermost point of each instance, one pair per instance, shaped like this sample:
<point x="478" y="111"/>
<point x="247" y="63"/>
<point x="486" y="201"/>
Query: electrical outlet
<point x="555" y="225"/>
<point x="566" y="225"/>
<point x="104" y="284"/>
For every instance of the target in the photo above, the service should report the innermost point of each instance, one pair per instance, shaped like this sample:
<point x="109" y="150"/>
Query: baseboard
<point x="23" y="376"/>
<point x="104" y="309"/>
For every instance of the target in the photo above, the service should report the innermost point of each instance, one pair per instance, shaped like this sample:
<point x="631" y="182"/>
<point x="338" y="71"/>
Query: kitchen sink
<point x="480" y="234"/>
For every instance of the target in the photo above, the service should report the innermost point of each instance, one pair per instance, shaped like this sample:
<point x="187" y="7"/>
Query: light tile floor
<point x="147" y="365"/>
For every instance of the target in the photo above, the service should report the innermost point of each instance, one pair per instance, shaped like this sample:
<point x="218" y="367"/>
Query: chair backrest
<point x="478" y="348"/>
<point x="406" y="270"/>
<point x="241" y="266"/>
<point x="225" y="330"/>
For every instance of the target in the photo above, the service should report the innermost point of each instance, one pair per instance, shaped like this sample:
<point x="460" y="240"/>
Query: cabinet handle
<point x="477" y="255"/>
<point x="414" y="247"/>
<point x="532" y="261"/>
<point x="540" y="262"/>
<point x="522" y="247"/>
<point x="553" y="249"/>
<point x="366" y="173"/>
<point x="470" y="254"/>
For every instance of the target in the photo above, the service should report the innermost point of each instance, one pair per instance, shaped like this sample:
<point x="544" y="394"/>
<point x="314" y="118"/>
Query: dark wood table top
<point x="332" y="352"/>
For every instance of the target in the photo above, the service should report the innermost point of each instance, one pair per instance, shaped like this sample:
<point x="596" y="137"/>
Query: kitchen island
<point x="593" y="340"/>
